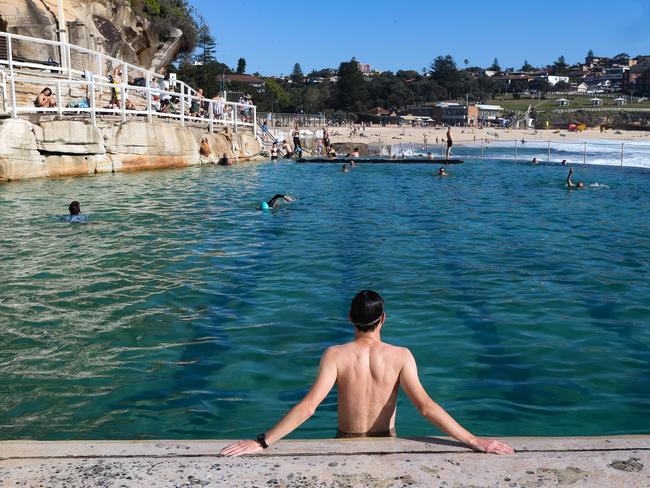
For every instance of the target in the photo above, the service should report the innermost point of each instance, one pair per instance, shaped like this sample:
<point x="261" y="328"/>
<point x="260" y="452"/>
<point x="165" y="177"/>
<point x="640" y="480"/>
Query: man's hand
<point x="490" y="446"/>
<point x="241" y="448"/>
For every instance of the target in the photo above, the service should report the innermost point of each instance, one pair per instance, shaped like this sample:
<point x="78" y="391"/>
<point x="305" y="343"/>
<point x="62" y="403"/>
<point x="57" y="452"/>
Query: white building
<point x="554" y="80"/>
<point x="488" y="113"/>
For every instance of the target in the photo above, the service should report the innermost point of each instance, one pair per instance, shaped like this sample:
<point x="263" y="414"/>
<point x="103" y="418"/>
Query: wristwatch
<point x="261" y="440"/>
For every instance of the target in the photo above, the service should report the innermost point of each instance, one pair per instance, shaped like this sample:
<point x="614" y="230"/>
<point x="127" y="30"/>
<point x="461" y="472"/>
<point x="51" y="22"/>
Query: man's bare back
<point x="368" y="373"/>
<point x="367" y="380"/>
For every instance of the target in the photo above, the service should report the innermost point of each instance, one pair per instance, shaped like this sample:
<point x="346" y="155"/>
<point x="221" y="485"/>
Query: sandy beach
<point x="415" y="135"/>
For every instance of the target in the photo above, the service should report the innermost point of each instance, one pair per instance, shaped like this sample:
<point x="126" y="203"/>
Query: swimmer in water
<point x="570" y="184"/>
<point x="345" y="168"/>
<point x="534" y="161"/>
<point x="75" y="214"/>
<point x="442" y="172"/>
<point x="564" y="162"/>
<point x="274" y="202"/>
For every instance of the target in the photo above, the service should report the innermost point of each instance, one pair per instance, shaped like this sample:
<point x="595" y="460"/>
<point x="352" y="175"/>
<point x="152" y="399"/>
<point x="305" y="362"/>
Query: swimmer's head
<point x="74" y="208"/>
<point x="564" y="162"/>
<point x="265" y="206"/>
<point x="442" y="171"/>
<point x="580" y="184"/>
<point x="367" y="311"/>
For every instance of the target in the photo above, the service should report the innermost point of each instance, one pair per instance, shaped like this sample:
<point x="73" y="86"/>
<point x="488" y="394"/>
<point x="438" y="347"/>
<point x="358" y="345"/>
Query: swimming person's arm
<point x="435" y="414"/>
<point x="298" y="414"/>
<point x="569" y="183"/>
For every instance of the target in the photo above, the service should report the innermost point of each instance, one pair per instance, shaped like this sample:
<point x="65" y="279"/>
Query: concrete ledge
<point x="345" y="463"/>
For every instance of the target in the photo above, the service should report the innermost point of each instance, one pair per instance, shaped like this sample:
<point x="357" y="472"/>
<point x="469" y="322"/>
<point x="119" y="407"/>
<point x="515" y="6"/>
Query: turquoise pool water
<point x="183" y="312"/>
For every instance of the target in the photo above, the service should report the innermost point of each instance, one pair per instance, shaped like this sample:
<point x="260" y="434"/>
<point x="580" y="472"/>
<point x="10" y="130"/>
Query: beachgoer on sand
<point x="368" y="374"/>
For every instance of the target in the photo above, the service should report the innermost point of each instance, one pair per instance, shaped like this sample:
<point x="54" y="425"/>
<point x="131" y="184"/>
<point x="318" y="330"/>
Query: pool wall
<point x="426" y="461"/>
<point x="56" y="148"/>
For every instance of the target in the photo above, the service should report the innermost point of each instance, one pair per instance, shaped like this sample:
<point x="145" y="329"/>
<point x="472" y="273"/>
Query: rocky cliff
<point x="107" y="26"/>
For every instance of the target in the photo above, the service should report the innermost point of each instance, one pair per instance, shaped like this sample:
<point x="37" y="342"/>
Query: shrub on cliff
<point x="171" y="14"/>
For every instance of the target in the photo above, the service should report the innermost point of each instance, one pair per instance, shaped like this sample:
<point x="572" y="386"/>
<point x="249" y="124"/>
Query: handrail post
<point x="12" y="83"/>
<point x="234" y="113"/>
<point x="548" y="157"/>
<point x="182" y="105"/>
<point x="123" y="101"/>
<point x="10" y="57"/>
<point x="584" y="154"/>
<point x="481" y="148"/>
<point x="211" y="109"/>
<point x="93" y="114"/>
<point x="516" y="150"/>
<point x="149" y="116"/>
<point x="59" y="98"/>
<point x="255" y="121"/>
<point x="69" y="60"/>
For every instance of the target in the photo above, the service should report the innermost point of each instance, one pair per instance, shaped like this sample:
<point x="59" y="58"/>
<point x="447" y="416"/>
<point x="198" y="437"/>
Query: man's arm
<point x="298" y="414"/>
<point x="435" y="414"/>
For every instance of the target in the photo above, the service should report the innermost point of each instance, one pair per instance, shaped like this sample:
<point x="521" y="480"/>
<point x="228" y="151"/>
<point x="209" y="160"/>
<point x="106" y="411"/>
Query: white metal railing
<point x="133" y="100"/>
<point x="83" y="67"/>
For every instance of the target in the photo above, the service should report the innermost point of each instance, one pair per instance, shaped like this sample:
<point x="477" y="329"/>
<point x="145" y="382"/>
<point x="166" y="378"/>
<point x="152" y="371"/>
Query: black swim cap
<point x="366" y="310"/>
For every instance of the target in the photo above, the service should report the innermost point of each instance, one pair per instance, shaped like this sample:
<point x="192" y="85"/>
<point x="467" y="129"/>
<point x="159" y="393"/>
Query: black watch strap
<point x="261" y="440"/>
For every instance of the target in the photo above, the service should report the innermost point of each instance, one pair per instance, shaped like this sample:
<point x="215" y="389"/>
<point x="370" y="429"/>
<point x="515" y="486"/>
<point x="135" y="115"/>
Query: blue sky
<point x="391" y="35"/>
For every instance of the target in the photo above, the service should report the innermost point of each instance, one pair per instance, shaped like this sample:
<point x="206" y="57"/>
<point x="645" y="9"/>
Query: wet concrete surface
<point x="341" y="463"/>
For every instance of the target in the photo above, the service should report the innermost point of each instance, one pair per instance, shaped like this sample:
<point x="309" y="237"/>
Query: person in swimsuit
<point x="570" y="184"/>
<point x="296" y="142"/>
<point x="442" y="172"/>
<point x="275" y="152"/>
<point x="449" y="143"/>
<point x="286" y="147"/>
<point x="368" y="374"/>
<point x="345" y="168"/>
<point x="275" y="201"/>
<point x="75" y="217"/>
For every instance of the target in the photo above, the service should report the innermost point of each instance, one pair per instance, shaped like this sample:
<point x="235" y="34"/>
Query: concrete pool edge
<point x="539" y="461"/>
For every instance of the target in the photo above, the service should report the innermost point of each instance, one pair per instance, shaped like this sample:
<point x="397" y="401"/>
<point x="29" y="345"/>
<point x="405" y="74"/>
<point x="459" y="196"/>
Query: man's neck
<point x="367" y="337"/>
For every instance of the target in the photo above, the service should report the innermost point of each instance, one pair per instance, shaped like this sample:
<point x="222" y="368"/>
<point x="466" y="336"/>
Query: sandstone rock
<point x="141" y="145"/>
<point x="70" y="137"/>
<point x="73" y="165"/>
<point x="247" y="145"/>
<point x="19" y="156"/>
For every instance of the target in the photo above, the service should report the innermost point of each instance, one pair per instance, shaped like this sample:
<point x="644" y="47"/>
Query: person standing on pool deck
<point x="296" y="142"/>
<point x="449" y="143"/>
<point x="367" y="373"/>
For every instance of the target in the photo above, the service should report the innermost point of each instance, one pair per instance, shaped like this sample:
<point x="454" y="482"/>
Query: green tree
<point x="444" y="71"/>
<point x="241" y="66"/>
<point x="495" y="66"/>
<point x="560" y="66"/>
<point x="527" y="66"/>
<point x="351" y="90"/>
<point x="297" y="76"/>
<point x="590" y="54"/>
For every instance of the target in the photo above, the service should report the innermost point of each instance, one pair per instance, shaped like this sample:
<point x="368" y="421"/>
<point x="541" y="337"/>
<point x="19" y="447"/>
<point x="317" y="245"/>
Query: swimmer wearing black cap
<point x="442" y="172"/>
<point x="273" y="202"/>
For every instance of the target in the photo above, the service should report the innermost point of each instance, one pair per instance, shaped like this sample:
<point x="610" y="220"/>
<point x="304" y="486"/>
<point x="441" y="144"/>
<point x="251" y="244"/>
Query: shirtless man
<point x="450" y="143"/>
<point x="367" y="373"/>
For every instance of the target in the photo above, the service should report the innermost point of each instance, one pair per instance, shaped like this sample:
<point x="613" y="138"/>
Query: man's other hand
<point x="240" y="448"/>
